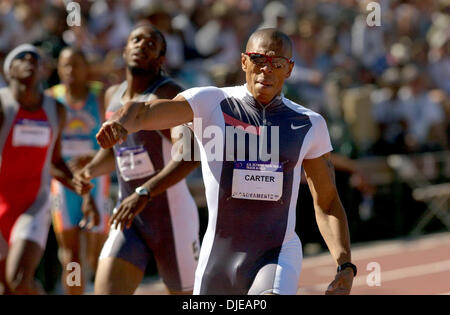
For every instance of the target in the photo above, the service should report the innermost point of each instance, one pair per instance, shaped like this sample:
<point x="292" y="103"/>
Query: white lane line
<point x="395" y="274"/>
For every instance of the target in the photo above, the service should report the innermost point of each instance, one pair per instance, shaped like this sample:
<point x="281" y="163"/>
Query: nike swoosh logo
<point x="298" y="127"/>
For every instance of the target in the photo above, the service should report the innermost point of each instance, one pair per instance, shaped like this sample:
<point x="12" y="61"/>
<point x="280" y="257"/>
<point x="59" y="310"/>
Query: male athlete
<point x="167" y="223"/>
<point x="31" y="124"/>
<point x="250" y="246"/>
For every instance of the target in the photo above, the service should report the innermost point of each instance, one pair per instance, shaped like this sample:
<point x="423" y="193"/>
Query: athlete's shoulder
<point x="110" y="92"/>
<point x="301" y="110"/>
<point x="112" y="89"/>
<point x="169" y="89"/>
<point x="237" y="91"/>
<point x="208" y="92"/>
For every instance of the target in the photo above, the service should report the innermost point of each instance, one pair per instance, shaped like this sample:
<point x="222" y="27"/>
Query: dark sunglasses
<point x="277" y="62"/>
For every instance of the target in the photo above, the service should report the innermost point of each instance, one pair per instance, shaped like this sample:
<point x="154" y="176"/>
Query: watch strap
<point x="348" y="265"/>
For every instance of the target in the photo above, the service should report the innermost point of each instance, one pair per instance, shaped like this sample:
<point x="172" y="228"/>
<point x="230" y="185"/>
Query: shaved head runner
<point x="250" y="246"/>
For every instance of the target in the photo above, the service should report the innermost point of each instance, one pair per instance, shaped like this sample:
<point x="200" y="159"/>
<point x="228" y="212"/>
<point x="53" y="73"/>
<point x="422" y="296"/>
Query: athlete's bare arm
<point x="59" y="169"/>
<point x="176" y="170"/>
<point x="331" y="218"/>
<point x="135" y="116"/>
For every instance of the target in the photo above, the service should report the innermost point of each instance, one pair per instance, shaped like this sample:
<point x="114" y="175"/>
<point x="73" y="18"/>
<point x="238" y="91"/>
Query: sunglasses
<point x="277" y="62"/>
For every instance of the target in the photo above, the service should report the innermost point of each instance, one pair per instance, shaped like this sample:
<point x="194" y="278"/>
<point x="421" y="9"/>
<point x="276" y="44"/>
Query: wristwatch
<point x="142" y="191"/>
<point x="348" y="265"/>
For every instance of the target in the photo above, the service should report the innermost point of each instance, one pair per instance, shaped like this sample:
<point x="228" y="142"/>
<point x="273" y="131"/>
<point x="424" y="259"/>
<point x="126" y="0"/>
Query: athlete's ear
<point x="161" y="60"/>
<point x="244" y="62"/>
<point x="291" y="67"/>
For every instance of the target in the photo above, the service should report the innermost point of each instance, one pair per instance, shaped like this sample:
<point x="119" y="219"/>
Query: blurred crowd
<point x="383" y="89"/>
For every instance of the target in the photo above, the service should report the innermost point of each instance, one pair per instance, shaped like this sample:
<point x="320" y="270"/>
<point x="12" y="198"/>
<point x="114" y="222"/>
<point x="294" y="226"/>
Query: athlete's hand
<point x="342" y="283"/>
<point x="111" y="133"/>
<point x="128" y="209"/>
<point x="91" y="216"/>
<point x="81" y="182"/>
<point x="81" y="187"/>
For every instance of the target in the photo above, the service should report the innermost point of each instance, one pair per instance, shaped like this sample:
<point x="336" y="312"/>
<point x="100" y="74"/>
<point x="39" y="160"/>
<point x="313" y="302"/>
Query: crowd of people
<point x="383" y="89"/>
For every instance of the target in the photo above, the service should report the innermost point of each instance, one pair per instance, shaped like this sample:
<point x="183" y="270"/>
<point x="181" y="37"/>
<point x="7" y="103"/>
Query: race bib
<point x="257" y="181"/>
<point x="77" y="146"/>
<point x="31" y="133"/>
<point x="134" y="163"/>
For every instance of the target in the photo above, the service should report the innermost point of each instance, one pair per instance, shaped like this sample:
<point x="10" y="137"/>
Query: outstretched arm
<point x="331" y="218"/>
<point x="155" y="115"/>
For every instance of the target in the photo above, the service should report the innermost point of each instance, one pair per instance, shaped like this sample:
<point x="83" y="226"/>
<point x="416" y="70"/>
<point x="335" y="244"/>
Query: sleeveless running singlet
<point x="168" y="227"/>
<point x="27" y="141"/>
<point x="79" y="140"/>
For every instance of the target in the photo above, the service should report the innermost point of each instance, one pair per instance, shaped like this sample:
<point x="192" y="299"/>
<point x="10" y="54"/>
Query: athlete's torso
<point x="27" y="140"/>
<point x="141" y="157"/>
<point x="251" y="202"/>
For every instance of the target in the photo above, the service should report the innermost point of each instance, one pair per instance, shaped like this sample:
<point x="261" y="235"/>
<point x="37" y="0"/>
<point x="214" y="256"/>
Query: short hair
<point x="274" y="34"/>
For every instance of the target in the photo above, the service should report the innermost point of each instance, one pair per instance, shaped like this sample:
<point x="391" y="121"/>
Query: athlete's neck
<point x="76" y="93"/>
<point x="138" y="83"/>
<point x="262" y="103"/>
<point x="29" y="97"/>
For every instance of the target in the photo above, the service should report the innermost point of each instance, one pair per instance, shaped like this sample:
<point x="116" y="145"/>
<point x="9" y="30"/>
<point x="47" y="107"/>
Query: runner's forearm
<point x="103" y="163"/>
<point x="170" y="175"/>
<point x="62" y="173"/>
<point x="333" y="226"/>
<point x="156" y="115"/>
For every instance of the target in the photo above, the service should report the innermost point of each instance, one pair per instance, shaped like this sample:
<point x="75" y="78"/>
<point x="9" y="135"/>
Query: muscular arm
<point x="330" y="214"/>
<point x="155" y="115"/>
<point x="177" y="169"/>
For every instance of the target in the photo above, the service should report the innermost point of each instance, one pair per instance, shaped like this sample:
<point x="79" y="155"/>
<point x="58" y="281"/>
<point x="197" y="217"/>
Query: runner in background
<point x="31" y="125"/>
<point x="85" y="112"/>
<point x="250" y="246"/>
<point x="167" y="223"/>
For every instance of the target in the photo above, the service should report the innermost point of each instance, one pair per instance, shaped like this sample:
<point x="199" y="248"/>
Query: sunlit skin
<point x="265" y="83"/>
<point x="143" y="49"/>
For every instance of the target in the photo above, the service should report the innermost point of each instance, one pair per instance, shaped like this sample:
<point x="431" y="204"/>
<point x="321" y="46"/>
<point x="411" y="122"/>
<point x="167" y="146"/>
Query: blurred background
<point x="384" y="90"/>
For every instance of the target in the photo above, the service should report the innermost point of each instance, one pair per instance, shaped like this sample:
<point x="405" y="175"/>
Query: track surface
<point x="412" y="267"/>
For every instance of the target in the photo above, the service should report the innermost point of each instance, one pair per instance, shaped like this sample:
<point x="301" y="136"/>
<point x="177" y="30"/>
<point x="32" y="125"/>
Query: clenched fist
<point x="111" y="133"/>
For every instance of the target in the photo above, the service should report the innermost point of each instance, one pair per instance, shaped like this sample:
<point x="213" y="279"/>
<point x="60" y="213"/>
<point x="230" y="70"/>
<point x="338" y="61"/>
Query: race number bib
<point x="31" y="133"/>
<point x="77" y="146"/>
<point x="257" y="181"/>
<point x="134" y="163"/>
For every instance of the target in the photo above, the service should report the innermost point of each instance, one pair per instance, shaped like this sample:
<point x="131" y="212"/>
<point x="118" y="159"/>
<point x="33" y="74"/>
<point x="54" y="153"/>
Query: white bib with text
<point x="134" y="163"/>
<point x="257" y="181"/>
<point x="31" y="133"/>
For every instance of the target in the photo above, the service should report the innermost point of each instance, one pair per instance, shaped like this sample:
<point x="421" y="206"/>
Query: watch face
<point x="142" y="191"/>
